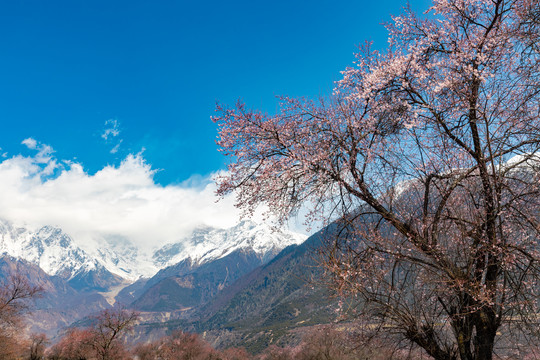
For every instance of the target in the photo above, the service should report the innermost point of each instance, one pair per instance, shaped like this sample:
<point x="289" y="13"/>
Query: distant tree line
<point x="104" y="339"/>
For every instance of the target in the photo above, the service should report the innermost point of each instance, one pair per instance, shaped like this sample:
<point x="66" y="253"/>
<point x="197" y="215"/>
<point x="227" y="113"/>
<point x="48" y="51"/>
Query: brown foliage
<point x="328" y="342"/>
<point x="15" y="292"/>
<point x="11" y="347"/>
<point x="75" y="345"/>
<point x="233" y="354"/>
<point x="274" y="352"/>
<point x="101" y="341"/>
<point x="110" y="325"/>
<point x="148" y="351"/>
<point x="185" y="346"/>
<point x="36" y="346"/>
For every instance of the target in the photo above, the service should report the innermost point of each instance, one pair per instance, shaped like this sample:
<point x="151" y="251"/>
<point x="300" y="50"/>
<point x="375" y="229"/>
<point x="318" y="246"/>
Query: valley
<point x="249" y="281"/>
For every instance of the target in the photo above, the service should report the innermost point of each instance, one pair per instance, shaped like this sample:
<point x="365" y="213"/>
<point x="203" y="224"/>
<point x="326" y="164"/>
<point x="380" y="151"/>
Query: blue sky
<point x="152" y="71"/>
<point x="105" y="106"/>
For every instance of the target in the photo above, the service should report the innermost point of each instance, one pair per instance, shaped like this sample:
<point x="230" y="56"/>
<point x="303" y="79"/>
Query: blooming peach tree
<point x="427" y="155"/>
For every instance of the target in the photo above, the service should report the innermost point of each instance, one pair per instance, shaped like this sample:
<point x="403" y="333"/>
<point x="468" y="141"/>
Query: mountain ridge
<point x="203" y="267"/>
<point x="58" y="254"/>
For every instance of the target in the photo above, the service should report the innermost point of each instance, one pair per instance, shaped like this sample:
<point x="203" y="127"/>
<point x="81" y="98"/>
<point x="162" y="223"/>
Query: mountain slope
<point x="197" y="269"/>
<point x="59" y="304"/>
<point x="206" y="244"/>
<point x="48" y="247"/>
<point x="262" y="306"/>
<point x="248" y="244"/>
<point x="192" y="287"/>
<point x="57" y="255"/>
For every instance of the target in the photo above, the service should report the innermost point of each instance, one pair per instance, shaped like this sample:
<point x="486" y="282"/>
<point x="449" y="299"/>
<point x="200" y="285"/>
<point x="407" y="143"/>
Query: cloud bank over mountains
<point x="116" y="202"/>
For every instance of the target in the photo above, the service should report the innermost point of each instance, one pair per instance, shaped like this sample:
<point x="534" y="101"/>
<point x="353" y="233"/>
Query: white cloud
<point x="110" y="134"/>
<point x="114" y="150"/>
<point x="112" y="129"/>
<point x="118" y="200"/>
<point x="30" y="143"/>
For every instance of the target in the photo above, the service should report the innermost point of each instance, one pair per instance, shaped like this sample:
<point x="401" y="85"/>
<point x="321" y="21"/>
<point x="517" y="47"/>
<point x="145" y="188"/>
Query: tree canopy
<point x="428" y="155"/>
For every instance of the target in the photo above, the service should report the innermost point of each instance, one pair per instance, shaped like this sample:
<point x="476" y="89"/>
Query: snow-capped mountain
<point x="197" y="268"/>
<point x="48" y="247"/>
<point x="57" y="253"/>
<point x="206" y="244"/>
<point x="120" y="256"/>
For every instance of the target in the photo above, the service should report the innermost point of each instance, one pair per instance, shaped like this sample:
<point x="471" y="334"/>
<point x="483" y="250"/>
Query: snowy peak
<point x="113" y="257"/>
<point x="48" y="247"/>
<point x="120" y="256"/>
<point x="207" y="244"/>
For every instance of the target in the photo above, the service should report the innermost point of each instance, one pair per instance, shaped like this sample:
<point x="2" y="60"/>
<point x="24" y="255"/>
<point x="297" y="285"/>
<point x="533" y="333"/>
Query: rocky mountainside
<point x="190" y="273"/>
<point x="262" y="307"/>
<point x="217" y="256"/>
<point x="207" y="244"/>
<point x="190" y="288"/>
<point x="48" y="247"/>
<point x="59" y="304"/>
<point x="111" y="258"/>
<point x="55" y="252"/>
